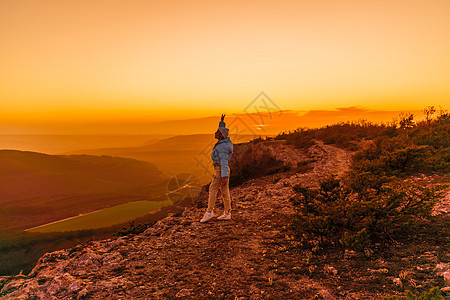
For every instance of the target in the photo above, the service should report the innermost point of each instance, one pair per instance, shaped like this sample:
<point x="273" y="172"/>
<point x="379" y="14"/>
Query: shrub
<point x="344" y="134"/>
<point x="406" y="120"/>
<point x="266" y="165"/>
<point x="337" y="214"/>
<point x="250" y="161"/>
<point x="133" y="229"/>
<point x="302" y="138"/>
<point x="424" y="147"/>
<point x="431" y="132"/>
<point x="374" y="203"/>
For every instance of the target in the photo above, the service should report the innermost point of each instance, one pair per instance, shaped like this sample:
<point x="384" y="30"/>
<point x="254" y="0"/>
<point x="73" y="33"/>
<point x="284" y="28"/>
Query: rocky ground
<point x="250" y="257"/>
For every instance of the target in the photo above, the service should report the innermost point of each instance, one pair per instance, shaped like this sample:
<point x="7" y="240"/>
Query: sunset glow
<point x="78" y="62"/>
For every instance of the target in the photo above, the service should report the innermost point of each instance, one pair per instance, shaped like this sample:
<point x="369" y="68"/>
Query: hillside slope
<point x="249" y="257"/>
<point x="172" y="155"/>
<point x="37" y="188"/>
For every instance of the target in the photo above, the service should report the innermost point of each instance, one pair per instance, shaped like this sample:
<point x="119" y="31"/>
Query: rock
<point x="447" y="277"/>
<point x="186" y="211"/>
<point x="368" y="252"/>
<point x="75" y="286"/>
<point x="412" y="282"/>
<point x="83" y="294"/>
<point x="89" y="259"/>
<point x="354" y="296"/>
<point x="330" y="270"/>
<point x="381" y="263"/>
<point x="64" y="282"/>
<point x="111" y="258"/>
<point x="48" y="259"/>
<point x="186" y="222"/>
<point x="325" y="294"/>
<point x="446" y="291"/>
<point x="12" y="286"/>
<point x="3" y="279"/>
<point x="23" y="297"/>
<point x="249" y="197"/>
<point x="348" y="254"/>
<point x="287" y="211"/>
<point x="196" y="225"/>
<point x="53" y="256"/>
<point x="442" y="267"/>
<point x="397" y="282"/>
<point x="183" y="293"/>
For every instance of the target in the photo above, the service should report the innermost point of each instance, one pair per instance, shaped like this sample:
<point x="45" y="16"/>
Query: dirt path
<point x="333" y="160"/>
<point x="329" y="159"/>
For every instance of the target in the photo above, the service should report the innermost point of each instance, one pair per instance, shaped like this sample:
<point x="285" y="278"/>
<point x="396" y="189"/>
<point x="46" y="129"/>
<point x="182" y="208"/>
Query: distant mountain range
<point x="259" y="119"/>
<point x="63" y="143"/>
<point x="177" y="154"/>
<point x="174" y="143"/>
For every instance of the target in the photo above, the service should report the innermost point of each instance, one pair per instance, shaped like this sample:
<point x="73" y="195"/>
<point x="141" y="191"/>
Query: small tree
<point x="429" y="112"/>
<point x="406" y="120"/>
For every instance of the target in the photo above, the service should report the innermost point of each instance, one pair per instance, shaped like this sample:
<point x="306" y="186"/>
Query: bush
<point x="21" y="250"/>
<point x="302" y="138"/>
<point x="255" y="168"/>
<point x="344" y="134"/>
<point x="133" y="229"/>
<point x="435" y="133"/>
<point x="251" y="161"/>
<point x="418" y="150"/>
<point x="335" y="214"/>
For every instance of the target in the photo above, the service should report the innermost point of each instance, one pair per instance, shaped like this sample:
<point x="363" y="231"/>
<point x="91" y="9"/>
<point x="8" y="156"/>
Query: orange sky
<point x="83" y="61"/>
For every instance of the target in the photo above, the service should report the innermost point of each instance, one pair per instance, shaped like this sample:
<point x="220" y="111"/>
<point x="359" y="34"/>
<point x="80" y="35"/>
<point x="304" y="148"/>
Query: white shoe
<point x="225" y="217"/>
<point x="208" y="216"/>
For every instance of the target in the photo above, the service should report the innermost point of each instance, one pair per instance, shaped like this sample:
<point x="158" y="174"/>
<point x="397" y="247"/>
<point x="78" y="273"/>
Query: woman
<point x="220" y="155"/>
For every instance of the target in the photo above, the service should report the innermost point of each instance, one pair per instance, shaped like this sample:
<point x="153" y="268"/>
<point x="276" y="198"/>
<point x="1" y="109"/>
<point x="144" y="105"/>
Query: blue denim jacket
<point x="221" y="153"/>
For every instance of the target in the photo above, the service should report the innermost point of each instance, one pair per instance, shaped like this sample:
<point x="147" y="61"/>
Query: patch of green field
<point x="104" y="218"/>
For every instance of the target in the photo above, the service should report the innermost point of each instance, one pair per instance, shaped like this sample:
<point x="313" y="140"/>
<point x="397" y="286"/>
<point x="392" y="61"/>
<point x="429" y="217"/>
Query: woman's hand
<point x="222" y="117"/>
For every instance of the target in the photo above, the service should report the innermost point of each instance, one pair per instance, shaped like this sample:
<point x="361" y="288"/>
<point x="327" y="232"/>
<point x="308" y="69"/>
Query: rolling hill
<point x="37" y="188"/>
<point x="181" y="153"/>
